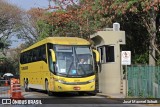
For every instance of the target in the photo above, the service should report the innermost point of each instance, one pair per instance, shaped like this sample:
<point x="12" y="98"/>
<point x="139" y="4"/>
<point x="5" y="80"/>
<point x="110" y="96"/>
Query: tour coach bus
<point x="59" y="64"/>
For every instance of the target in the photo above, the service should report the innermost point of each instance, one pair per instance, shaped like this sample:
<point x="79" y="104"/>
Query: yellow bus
<point x="59" y="64"/>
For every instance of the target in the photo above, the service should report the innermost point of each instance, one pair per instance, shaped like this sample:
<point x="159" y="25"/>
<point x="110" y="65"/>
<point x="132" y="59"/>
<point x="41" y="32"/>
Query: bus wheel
<point x="46" y="87"/>
<point x="26" y="88"/>
<point x="92" y="93"/>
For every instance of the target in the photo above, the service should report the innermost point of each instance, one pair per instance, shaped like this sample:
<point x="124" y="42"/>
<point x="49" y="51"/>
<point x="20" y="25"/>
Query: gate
<point x="144" y="81"/>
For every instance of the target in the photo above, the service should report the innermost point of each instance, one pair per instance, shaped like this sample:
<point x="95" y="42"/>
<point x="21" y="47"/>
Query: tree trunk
<point x="152" y="43"/>
<point x="152" y="48"/>
<point x="151" y="56"/>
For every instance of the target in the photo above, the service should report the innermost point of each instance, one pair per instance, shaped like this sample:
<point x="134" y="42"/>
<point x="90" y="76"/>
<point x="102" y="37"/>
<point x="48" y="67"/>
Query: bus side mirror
<point x="97" y="55"/>
<point x="53" y="55"/>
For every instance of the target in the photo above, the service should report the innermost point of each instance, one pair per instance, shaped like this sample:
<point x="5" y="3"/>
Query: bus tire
<point x="47" y="90"/>
<point x="26" y="88"/>
<point x="92" y="93"/>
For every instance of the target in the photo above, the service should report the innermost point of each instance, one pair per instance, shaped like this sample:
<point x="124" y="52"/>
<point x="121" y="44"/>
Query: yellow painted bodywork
<point x="60" y="87"/>
<point x="38" y="72"/>
<point x="60" y="41"/>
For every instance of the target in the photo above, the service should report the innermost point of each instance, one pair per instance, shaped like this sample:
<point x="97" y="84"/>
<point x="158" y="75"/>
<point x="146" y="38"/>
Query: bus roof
<point x="60" y="41"/>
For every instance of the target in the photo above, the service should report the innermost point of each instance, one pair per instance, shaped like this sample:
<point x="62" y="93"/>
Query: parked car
<point x="8" y="75"/>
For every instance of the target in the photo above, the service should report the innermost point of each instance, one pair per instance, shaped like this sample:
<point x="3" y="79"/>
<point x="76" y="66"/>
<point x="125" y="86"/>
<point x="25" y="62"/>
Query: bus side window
<point x="39" y="54"/>
<point x="34" y="55"/>
<point x="24" y="58"/>
<point x="21" y="58"/>
<point x="42" y="53"/>
<point x="31" y="56"/>
<point x="27" y="57"/>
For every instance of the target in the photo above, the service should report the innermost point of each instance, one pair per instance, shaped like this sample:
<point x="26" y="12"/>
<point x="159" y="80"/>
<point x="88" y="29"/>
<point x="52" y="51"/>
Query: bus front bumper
<point x="60" y="87"/>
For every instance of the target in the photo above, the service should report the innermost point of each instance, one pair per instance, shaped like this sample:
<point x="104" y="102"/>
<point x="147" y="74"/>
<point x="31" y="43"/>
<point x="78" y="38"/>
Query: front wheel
<point x="92" y="93"/>
<point x="26" y="88"/>
<point x="46" y="87"/>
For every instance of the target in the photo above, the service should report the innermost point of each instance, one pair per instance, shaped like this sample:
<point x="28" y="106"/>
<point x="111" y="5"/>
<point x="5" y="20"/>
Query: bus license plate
<point x="76" y="88"/>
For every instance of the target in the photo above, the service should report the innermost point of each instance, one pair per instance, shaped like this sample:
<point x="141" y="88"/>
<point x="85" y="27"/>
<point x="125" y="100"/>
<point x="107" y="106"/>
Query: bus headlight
<point x="93" y="80"/>
<point x="61" y="81"/>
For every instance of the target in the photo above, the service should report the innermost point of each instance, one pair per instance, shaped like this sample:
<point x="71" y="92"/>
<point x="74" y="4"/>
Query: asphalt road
<point x="71" y="100"/>
<point x="75" y="100"/>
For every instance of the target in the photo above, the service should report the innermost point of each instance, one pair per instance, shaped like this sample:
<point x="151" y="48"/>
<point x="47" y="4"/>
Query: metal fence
<point x="144" y="81"/>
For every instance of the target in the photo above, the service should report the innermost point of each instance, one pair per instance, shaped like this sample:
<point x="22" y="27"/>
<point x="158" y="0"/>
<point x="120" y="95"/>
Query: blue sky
<point x="26" y="5"/>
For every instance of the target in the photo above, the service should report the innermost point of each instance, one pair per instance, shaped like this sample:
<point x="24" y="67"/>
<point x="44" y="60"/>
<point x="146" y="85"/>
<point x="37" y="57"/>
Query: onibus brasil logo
<point x="12" y="101"/>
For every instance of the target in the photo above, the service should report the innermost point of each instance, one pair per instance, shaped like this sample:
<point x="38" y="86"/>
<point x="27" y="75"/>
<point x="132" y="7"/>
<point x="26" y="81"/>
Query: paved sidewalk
<point x="111" y="95"/>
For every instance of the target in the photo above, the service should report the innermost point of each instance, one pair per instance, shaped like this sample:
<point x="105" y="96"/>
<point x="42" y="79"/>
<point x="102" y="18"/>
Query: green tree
<point x="135" y="34"/>
<point x="147" y="12"/>
<point x="84" y="17"/>
<point x="9" y="19"/>
<point x="80" y="18"/>
<point x="35" y="26"/>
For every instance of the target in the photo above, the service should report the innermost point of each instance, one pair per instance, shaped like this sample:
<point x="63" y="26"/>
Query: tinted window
<point x="109" y="53"/>
<point x="106" y="54"/>
<point x="36" y="54"/>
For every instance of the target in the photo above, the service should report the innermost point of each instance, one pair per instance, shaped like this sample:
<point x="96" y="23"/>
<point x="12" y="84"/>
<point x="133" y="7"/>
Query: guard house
<point x="108" y="44"/>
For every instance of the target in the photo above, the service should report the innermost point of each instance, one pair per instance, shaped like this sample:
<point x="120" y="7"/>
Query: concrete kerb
<point x="111" y="95"/>
<point x="114" y="97"/>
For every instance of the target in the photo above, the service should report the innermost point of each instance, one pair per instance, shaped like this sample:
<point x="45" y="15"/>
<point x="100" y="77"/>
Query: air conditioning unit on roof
<point x="116" y="26"/>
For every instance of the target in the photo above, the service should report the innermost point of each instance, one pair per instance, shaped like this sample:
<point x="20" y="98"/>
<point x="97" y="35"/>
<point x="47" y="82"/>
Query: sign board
<point x="126" y="57"/>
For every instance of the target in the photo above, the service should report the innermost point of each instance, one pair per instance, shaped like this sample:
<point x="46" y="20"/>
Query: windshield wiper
<point x="69" y="68"/>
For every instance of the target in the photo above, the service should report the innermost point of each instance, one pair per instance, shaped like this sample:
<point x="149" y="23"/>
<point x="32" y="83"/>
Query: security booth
<point x="108" y="44"/>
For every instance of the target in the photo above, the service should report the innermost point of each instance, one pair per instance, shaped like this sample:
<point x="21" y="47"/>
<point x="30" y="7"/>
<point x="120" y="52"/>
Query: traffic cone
<point x="16" y="93"/>
<point x="17" y="96"/>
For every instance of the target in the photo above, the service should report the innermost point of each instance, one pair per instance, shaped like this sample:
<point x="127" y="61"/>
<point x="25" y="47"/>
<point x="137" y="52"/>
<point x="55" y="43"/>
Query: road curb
<point x="103" y="95"/>
<point x="111" y="96"/>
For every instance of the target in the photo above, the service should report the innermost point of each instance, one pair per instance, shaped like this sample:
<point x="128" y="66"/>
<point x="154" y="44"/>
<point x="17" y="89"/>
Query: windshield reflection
<point x="74" y="60"/>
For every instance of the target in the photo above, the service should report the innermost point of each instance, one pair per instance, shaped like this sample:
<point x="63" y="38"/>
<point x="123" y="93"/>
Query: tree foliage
<point x="78" y="18"/>
<point x="147" y="11"/>
<point x="139" y="18"/>
<point x="9" y="19"/>
<point x="11" y="62"/>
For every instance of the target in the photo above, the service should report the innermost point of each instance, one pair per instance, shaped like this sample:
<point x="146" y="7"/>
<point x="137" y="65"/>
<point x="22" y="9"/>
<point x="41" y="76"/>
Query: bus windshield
<point x="74" y="61"/>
